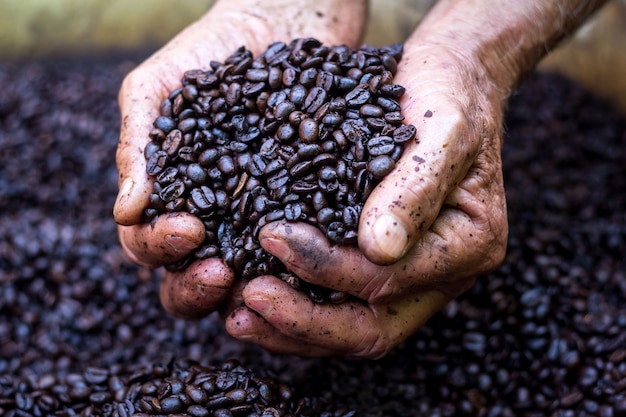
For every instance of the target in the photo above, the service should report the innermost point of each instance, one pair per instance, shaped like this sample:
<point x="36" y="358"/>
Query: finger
<point x="406" y="203"/>
<point x="464" y="242"/>
<point x="352" y="328"/>
<point x="248" y="326"/>
<point x="168" y="239"/>
<point x="198" y="290"/>
<point x="139" y="99"/>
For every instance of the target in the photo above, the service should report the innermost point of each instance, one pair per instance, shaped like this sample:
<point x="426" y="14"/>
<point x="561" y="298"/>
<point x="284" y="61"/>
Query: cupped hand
<point x="434" y="224"/>
<point x="204" y="285"/>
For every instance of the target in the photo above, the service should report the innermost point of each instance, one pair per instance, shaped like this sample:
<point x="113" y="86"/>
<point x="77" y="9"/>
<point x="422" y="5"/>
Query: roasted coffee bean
<point x="198" y="411"/>
<point x="404" y="134"/>
<point x="203" y="197"/>
<point x="394" y="117"/>
<point x="173" y="142"/>
<point x="283" y="110"/>
<point x="164" y="123"/>
<point x="380" y="145"/>
<point x="345" y="83"/>
<point x="172" y="191"/>
<point x="196" y="173"/>
<point x="308" y="130"/>
<point x="359" y="96"/>
<point x="388" y="104"/>
<point x="371" y="110"/>
<point x="277" y="179"/>
<point x="355" y="130"/>
<point x="257" y="74"/>
<point x="316" y="97"/>
<point x="380" y="166"/>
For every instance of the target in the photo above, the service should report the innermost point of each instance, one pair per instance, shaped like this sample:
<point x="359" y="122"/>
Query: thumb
<point x="408" y="200"/>
<point x="134" y="183"/>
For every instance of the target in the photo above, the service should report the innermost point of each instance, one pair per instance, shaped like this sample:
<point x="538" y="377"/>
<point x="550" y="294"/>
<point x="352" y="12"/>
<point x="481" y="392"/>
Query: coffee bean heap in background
<point x="303" y="132"/>
<point x="544" y="335"/>
<point x="183" y="388"/>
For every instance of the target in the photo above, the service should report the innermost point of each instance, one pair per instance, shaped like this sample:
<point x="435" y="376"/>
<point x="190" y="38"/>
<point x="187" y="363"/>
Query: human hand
<point x="204" y="285"/>
<point x="434" y="224"/>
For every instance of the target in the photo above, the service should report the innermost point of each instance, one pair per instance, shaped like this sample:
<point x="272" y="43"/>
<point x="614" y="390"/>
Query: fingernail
<point x="179" y="243"/>
<point x="262" y="305"/>
<point x="390" y="236"/>
<point x="277" y="247"/>
<point x="125" y="189"/>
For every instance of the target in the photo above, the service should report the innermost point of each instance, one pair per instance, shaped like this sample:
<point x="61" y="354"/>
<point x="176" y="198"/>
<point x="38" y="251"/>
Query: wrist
<point x="498" y="42"/>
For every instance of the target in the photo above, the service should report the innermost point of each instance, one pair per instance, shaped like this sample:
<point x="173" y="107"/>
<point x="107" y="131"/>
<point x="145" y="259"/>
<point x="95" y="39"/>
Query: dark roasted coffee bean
<point x="316" y="97"/>
<point x="257" y="165"/>
<point x="394" y="117"/>
<point x="164" y="123"/>
<point x="388" y="104"/>
<point x="345" y="83"/>
<point x="186" y="153"/>
<point x="257" y="74"/>
<point x="196" y="173"/>
<point x="173" y="142"/>
<point x="283" y="110"/>
<point x="304" y="187"/>
<point x="278" y="179"/>
<point x="371" y="110"/>
<point x="332" y="119"/>
<point x="227" y="165"/>
<point x="223" y="412"/>
<point x="380" y="145"/>
<point x="301" y="169"/>
<point x="393" y="91"/>
<point x="172" y="191"/>
<point x="325" y="80"/>
<point x="171" y="405"/>
<point x="198" y="411"/>
<point x="296" y="117"/>
<point x="251" y="135"/>
<point x="273" y="166"/>
<point x="404" y="133"/>
<point x="167" y="176"/>
<point x="359" y="96"/>
<point x="350" y="217"/>
<point x="355" y="130"/>
<point x="293" y="212"/>
<point x="336" y="232"/>
<point x="380" y="166"/>
<point x="250" y="90"/>
<point x="274" y="77"/>
<point x="308" y="130"/>
<point x="203" y="197"/>
<point x="297" y="94"/>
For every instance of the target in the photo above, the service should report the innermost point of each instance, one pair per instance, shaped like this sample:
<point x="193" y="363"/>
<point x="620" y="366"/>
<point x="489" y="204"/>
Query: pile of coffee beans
<point x="302" y="132"/>
<point x="82" y="331"/>
<point x="182" y="387"/>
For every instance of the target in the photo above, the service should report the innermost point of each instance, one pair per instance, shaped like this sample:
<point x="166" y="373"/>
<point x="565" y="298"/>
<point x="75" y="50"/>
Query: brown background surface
<point x="595" y="56"/>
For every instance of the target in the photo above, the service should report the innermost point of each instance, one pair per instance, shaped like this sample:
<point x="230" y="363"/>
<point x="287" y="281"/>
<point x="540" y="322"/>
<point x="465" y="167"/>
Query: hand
<point x="426" y="232"/>
<point x="205" y="285"/>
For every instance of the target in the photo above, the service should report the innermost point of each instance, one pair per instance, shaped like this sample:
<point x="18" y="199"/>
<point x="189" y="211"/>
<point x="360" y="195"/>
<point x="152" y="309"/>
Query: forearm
<point x="505" y="38"/>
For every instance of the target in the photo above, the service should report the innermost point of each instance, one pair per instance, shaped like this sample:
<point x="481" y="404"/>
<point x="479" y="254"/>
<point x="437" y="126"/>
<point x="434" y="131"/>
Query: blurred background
<point x="594" y="57"/>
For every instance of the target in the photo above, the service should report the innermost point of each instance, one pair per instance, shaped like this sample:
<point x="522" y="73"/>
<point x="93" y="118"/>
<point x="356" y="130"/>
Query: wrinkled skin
<point x="436" y="223"/>
<point x="205" y="285"/>
<point x="446" y="192"/>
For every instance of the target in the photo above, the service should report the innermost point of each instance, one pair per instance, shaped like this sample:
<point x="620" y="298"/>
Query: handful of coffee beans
<point x="301" y="133"/>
